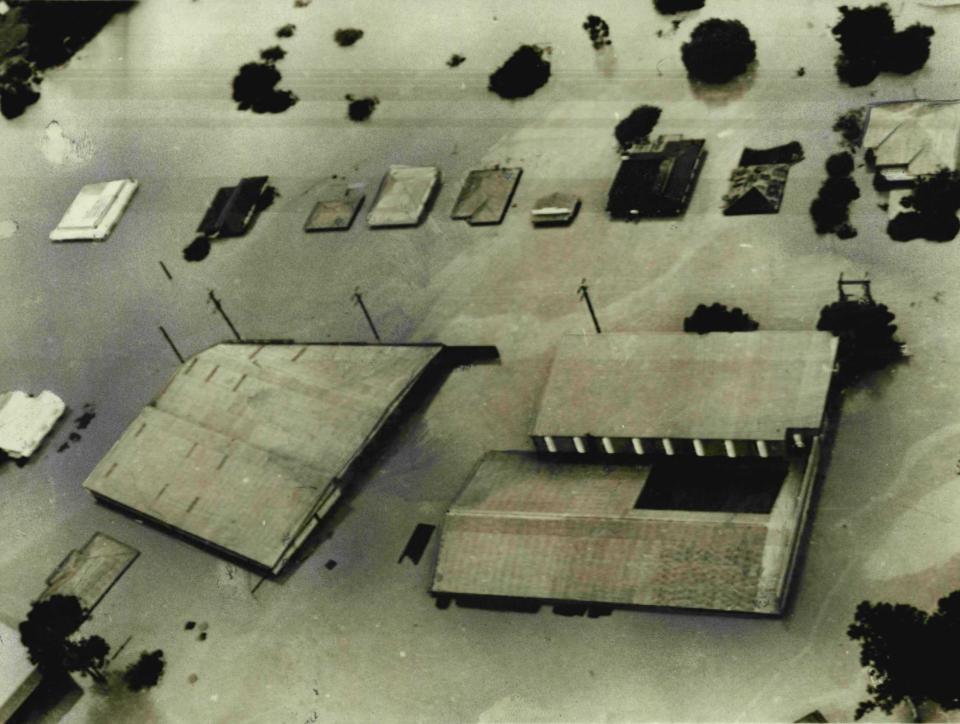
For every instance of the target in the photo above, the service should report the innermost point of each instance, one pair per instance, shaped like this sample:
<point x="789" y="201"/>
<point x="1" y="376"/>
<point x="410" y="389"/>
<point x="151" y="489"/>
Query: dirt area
<point x="362" y="640"/>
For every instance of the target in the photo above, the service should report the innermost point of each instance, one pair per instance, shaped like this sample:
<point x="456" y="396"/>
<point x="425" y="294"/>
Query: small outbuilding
<point x="25" y="420"/>
<point x="656" y="179"/>
<point x="556" y="209"/>
<point x="234" y="208"/>
<point x="404" y="195"/>
<point x="486" y="194"/>
<point x="336" y="209"/>
<point x="95" y="211"/>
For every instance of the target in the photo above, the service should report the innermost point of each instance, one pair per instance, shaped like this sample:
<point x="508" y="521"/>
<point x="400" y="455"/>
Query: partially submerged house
<point x="234" y="208"/>
<point x="404" y="195"/>
<point x="758" y="182"/>
<point x="656" y="179"/>
<point x="555" y="209"/>
<point x="904" y="140"/>
<point x="336" y="209"/>
<point x="672" y="469"/>
<point x="249" y="445"/>
<point x="486" y="194"/>
<point x="95" y="211"/>
<point x="25" y="420"/>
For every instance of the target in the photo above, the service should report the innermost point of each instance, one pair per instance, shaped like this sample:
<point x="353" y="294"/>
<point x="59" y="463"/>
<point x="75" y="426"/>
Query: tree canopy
<point x="669" y="7"/>
<point x="145" y="672"/>
<point x="907" y="653"/>
<point x="46" y="634"/>
<point x="718" y="51"/>
<point x="718" y="318"/>
<point x="869" y="45"/>
<point x="867" y="336"/>
<point x="933" y="206"/>
<point x="522" y="74"/>
<point x="636" y="127"/>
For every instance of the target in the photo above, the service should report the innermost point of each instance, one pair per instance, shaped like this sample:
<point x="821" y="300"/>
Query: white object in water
<point x="25" y="420"/>
<point x="95" y="211"/>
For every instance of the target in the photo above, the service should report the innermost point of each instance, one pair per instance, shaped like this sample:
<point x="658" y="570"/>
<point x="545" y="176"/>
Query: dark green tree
<point x="521" y="74"/>
<point x="637" y="126"/>
<point x="718" y="318"/>
<point x="867" y="336"/>
<point x="46" y="633"/>
<point x="718" y="51"/>
<point x="907" y="653"/>
<point x="145" y="672"/>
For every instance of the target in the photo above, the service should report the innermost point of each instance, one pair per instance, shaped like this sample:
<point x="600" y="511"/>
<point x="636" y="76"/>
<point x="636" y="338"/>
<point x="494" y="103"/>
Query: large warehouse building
<point x="250" y="445"/>
<point x="672" y="470"/>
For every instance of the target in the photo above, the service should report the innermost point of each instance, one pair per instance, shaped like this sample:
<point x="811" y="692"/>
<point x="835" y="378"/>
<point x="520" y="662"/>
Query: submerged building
<point x="672" y="469"/>
<point x="250" y="445"/>
<point x="907" y="139"/>
<point x="656" y="179"/>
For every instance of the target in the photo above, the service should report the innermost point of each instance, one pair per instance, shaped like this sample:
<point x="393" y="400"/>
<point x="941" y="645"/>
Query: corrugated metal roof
<point x="923" y="135"/>
<point x="718" y="386"/>
<point x="532" y="528"/>
<point x="247" y="442"/>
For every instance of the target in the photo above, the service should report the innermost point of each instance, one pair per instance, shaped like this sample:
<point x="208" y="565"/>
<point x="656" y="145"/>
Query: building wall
<point x="594" y="446"/>
<point x="655" y="558"/>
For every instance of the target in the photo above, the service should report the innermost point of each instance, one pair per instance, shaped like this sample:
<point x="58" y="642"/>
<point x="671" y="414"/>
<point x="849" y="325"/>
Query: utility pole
<point x="172" y="345"/>
<point x="216" y="303"/>
<point x="358" y="300"/>
<point x="584" y="294"/>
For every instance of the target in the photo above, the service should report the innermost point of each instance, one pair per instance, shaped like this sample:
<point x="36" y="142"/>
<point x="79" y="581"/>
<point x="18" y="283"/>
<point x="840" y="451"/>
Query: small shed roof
<point x="404" y="194"/>
<point x="718" y="386"/>
<point x="95" y="211"/>
<point x="26" y="419"/>
<point x="486" y="194"/>
<point x="233" y="208"/>
<point x="336" y="209"/>
<point x="764" y="182"/>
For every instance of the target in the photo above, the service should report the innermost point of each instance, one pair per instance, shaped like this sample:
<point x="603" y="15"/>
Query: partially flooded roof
<point x="486" y="195"/>
<point x="95" y="211"/>
<point x="404" y="194"/>
<point x="246" y="447"/>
